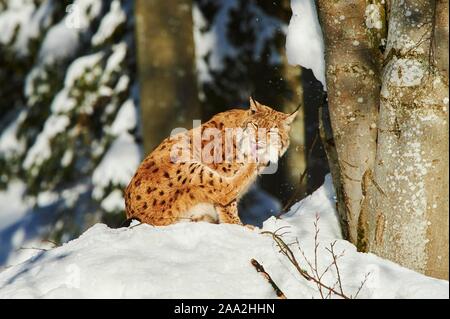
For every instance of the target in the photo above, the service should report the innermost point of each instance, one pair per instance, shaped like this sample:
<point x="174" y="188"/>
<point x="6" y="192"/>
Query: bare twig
<point x="325" y="290"/>
<point x="363" y="282"/>
<point x="32" y="248"/>
<point x="335" y="258"/>
<point x="286" y="251"/>
<point x="260" y="268"/>
<point x="51" y="242"/>
<point x="140" y="223"/>
<point x="316" y="247"/>
<point x="329" y="294"/>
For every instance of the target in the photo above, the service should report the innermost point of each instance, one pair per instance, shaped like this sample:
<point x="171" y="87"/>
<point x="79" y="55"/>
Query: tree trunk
<point x="326" y="135"/>
<point x="166" y="58"/>
<point x="353" y="63"/>
<point x="295" y="156"/>
<point x="408" y="220"/>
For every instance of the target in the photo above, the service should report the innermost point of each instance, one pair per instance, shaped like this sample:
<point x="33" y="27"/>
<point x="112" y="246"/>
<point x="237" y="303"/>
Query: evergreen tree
<point x="69" y="107"/>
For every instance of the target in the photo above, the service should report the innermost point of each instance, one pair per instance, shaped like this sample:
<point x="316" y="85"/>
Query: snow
<point x="82" y="13"/>
<point x="258" y="206"/>
<point x="10" y="144"/>
<point x="21" y="15"/>
<point x="62" y="102"/>
<point x="67" y="158"/>
<point x="15" y="16"/>
<point x="16" y="217"/>
<point x="113" y="202"/>
<point x="16" y="208"/>
<point x="119" y="52"/>
<point x="265" y="27"/>
<point x="200" y="260"/>
<point x="60" y="42"/>
<point x="304" y="41"/>
<point x="41" y="149"/>
<point x="213" y="46"/>
<point x="126" y="119"/>
<point x="120" y="161"/>
<point x="110" y="22"/>
<point x="68" y="76"/>
<point x="118" y="164"/>
<point x="213" y="41"/>
<point x="87" y="68"/>
<point x="81" y="66"/>
<point x="123" y="83"/>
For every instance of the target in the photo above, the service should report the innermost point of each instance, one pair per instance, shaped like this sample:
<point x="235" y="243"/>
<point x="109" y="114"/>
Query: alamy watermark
<point x="73" y="18"/>
<point x="211" y="145"/>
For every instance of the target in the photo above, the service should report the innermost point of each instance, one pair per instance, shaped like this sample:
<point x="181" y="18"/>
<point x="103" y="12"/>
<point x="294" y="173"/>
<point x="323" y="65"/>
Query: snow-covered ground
<point x="200" y="260"/>
<point x="22" y="225"/>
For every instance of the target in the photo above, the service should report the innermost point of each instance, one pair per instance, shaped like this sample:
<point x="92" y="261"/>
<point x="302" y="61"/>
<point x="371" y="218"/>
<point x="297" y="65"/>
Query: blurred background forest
<point x="88" y="87"/>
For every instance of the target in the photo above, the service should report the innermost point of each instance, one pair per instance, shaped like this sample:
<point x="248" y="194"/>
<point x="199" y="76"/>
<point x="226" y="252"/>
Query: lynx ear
<point x="254" y="105"/>
<point x="291" y="117"/>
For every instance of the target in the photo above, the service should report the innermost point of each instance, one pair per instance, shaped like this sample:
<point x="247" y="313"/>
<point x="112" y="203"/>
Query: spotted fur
<point x="163" y="192"/>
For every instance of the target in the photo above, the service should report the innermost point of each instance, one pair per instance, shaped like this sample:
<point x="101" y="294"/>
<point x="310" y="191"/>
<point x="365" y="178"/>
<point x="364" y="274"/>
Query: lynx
<point x="167" y="189"/>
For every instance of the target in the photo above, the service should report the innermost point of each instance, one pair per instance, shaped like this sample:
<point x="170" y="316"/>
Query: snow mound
<point x="200" y="260"/>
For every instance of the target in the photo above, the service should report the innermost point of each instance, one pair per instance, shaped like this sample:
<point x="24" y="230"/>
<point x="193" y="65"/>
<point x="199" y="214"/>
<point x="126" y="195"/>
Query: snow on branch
<point x="304" y="42"/>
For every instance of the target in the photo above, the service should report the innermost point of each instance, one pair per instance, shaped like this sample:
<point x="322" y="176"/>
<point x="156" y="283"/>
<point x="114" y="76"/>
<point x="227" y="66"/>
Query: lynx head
<point x="272" y="139"/>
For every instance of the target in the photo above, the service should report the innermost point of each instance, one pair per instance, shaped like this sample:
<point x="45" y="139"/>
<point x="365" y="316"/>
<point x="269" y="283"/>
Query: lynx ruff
<point x="200" y="174"/>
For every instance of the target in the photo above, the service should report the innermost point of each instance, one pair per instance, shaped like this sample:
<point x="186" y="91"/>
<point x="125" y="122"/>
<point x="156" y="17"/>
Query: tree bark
<point x="353" y="62"/>
<point x="326" y="135"/>
<point x="166" y="57"/>
<point x="408" y="220"/>
<point x="296" y="158"/>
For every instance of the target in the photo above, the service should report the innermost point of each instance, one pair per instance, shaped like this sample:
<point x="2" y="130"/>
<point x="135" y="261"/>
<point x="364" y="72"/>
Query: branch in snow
<point x="314" y="275"/>
<point x="260" y="268"/>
